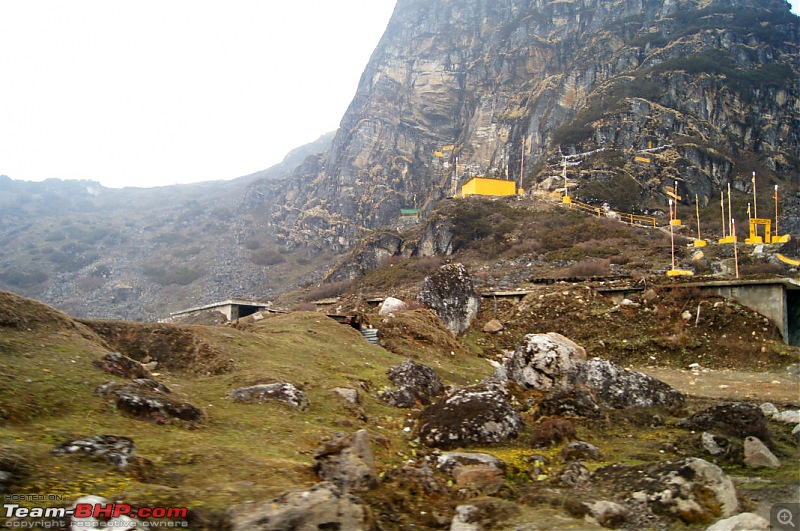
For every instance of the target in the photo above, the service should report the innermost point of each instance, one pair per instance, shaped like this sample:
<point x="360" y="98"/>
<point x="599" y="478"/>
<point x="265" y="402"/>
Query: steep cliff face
<point x="455" y="87"/>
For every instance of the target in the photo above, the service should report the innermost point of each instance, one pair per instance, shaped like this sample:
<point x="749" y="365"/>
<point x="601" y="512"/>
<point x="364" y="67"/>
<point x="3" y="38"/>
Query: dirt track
<point x="780" y="388"/>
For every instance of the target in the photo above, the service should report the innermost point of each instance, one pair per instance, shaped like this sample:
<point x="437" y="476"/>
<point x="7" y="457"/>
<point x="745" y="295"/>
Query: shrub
<point x="553" y="430"/>
<point x="267" y="257"/>
<point x="182" y="276"/>
<point x="590" y="268"/>
<point x="329" y="290"/>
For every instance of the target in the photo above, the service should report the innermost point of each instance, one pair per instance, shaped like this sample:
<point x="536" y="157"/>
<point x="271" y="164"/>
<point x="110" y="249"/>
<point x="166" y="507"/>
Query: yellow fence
<point x="631" y="219"/>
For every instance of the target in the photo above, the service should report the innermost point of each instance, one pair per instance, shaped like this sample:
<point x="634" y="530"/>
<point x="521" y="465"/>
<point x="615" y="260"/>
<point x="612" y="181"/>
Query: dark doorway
<point x="793" y="317"/>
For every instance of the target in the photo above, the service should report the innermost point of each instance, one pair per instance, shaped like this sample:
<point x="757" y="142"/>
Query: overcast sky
<point x="155" y="92"/>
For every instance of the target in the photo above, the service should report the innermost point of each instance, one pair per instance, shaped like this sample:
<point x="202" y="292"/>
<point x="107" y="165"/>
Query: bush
<point x="590" y="268"/>
<point x="24" y="279"/>
<point x="181" y="276"/>
<point x="329" y="290"/>
<point x="267" y="257"/>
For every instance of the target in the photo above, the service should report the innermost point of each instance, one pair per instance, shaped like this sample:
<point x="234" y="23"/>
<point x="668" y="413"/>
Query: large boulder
<point x="123" y="366"/>
<point x="117" y="450"/>
<point x="416" y="383"/>
<point x="738" y="419"/>
<point x="280" y="392"/>
<point x="757" y="455"/>
<point x="147" y="400"/>
<point x="449" y="292"/>
<point x="621" y="388"/>
<point x="693" y="491"/>
<point x="472" y="415"/>
<point x="347" y="462"/>
<point x="323" y="506"/>
<point x="544" y="361"/>
<point x="391" y="305"/>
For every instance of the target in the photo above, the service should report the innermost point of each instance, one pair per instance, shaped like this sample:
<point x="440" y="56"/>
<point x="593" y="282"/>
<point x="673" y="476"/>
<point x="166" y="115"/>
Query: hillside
<point x="643" y="94"/>
<point x="219" y="457"/>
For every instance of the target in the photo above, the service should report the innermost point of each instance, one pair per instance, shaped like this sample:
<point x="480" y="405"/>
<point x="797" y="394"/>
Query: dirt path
<point x="778" y="388"/>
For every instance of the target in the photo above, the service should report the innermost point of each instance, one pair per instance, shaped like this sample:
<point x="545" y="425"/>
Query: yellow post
<point x="699" y="242"/>
<point x="755" y="198"/>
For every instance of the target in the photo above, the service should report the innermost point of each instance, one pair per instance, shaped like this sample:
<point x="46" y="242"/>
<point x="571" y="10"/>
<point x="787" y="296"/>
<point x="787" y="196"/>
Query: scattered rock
<point x="144" y="399"/>
<point x="544" y="361"/>
<point x="123" y="366"/>
<point x="281" y="392"/>
<point x="449" y="292"/>
<point x="574" y="402"/>
<point x="621" y="388"/>
<point x="606" y="513"/>
<point x="493" y="326"/>
<point x="714" y="444"/>
<point x="472" y="415"/>
<point x="693" y="490"/>
<point x="350" y="395"/>
<point x="579" y="451"/>
<point x="417" y="383"/>
<point x="324" y="506"/>
<point x="467" y="518"/>
<point x="789" y="417"/>
<point x="347" y="462"/>
<point x="118" y="450"/>
<point x="741" y="522"/>
<point x="391" y="305"/>
<point x="446" y="461"/>
<point x="480" y="479"/>
<point x="738" y="419"/>
<point x="77" y="524"/>
<point x="574" y="475"/>
<point x="769" y="409"/>
<point x="757" y="455"/>
<point x="156" y="408"/>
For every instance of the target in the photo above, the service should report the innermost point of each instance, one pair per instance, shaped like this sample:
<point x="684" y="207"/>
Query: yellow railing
<point x="631" y="219"/>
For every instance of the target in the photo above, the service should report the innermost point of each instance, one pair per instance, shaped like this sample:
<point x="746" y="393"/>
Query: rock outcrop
<point x="415" y="384"/>
<point x="467" y="82"/>
<point x="279" y="392"/>
<point x="472" y="415"/>
<point x="449" y="292"/>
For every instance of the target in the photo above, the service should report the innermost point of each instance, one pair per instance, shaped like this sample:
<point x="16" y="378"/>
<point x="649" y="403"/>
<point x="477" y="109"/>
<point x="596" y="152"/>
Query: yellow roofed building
<point x="488" y="186"/>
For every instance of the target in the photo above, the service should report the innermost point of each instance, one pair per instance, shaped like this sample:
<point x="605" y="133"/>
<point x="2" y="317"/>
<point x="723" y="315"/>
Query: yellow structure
<point x="488" y="186"/>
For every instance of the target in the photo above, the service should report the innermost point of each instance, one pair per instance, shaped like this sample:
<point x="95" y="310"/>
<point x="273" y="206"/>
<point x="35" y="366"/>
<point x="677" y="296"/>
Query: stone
<point x="741" y="522"/>
<point x="493" y="326"/>
<point x="466" y="518"/>
<point x="714" y="444"/>
<point x="350" y="395"/>
<point x="117" y="450"/>
<point x="573" y="402"/>
<point x="789" y="417"/>
<point x="347" y="462"/>
<point x="692" y="490"/>
<point x="324" y="506"/>
<point x="769" y="409"/>
<point x="159" y="409"/>
<point x="796" y="432"/>
<point x="579" y="451"/>
<point x="606" y="513"/>
<point x="446" y="461"/>
<point x="480" y="479"/>
<point x="280" y="392"/>
<point x="123" y="366"/>
<point x="89" y="522"/>
<point x="574" y="475"/>
<point x="417" y="383"/>
<point x="543" y="361"/>
<point x="391" y="305"/>
<point x="757" y="455"/>
<point x="737" y="419"/>
<point x="472" y="415"/>
<point x="622" y="388"/>
<point x="449" y="292"/>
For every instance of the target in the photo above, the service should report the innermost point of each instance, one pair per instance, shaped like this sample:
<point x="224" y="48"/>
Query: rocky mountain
<point x="141" y="253"/>
<point x="707" y="89"/>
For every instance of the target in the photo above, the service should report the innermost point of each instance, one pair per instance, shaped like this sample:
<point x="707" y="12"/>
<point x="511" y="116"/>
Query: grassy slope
<point x="242" y="452"/>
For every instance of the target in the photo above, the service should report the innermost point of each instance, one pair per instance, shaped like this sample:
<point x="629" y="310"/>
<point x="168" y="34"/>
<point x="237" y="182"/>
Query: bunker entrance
<point x="793" y="317"/>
